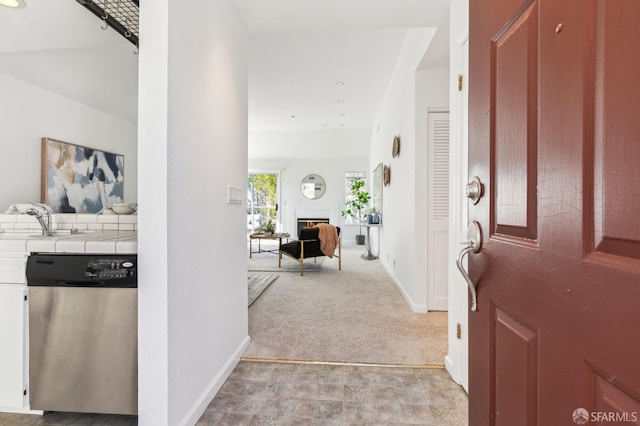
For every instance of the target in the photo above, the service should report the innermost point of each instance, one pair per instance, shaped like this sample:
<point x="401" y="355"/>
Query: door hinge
<point x="25" y="297"/>
<point x="458" y="331"/>
<point x="459" y="82"/>
<point x="24" y="392"/>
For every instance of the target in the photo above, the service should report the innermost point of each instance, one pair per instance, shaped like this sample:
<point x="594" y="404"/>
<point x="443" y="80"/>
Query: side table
<point x="369" y="255"/>
<point x="260" y="236"/>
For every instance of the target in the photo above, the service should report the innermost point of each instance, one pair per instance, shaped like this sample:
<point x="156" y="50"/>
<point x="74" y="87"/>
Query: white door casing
<point x="457" y="359"/>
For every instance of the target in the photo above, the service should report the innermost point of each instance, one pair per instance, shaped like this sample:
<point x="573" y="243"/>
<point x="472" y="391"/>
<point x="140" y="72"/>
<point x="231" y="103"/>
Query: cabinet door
<point x="12" y="342"/>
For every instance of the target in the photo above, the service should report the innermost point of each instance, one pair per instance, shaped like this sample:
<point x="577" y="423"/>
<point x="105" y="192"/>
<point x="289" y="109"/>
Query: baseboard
<point x="201" y="404"/>
<point x="418" y="309"/>
<point x="20" y="410"/>
<point x="448" y="365"/>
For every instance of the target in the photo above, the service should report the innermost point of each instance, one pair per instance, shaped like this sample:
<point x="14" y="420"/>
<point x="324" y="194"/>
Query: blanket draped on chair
<point x="328" y="236"/>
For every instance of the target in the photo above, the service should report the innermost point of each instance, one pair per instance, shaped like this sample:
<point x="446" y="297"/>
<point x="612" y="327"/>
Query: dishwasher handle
<point x="80" y="283"/>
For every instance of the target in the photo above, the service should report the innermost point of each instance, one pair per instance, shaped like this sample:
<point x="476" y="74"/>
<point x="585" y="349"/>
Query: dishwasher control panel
<point x="82" y="270"/>
<point x="110" y="268"/>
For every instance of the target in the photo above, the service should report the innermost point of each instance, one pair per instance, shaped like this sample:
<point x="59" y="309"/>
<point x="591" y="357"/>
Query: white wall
<point x="31" y="113"/>
<point x="193" y="268"/>
<point x="410" y="94"/>
<point x="295" y="205"/>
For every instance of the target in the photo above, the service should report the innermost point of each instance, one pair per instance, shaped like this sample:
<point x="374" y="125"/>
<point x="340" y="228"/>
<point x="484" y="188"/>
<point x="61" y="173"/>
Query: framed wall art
<point x="376" y="189"/>
<point x="79" y="179"/>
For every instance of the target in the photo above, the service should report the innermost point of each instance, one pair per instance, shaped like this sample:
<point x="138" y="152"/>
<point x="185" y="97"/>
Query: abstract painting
<point x="78" y="179"/>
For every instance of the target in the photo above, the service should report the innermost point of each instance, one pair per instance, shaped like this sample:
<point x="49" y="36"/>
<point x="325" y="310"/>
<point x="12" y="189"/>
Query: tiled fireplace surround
<point x="82" y="222"/>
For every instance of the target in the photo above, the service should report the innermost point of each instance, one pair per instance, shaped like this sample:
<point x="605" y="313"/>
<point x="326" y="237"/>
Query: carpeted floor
<point x="268" y="262"/>
<point x="257" y="284"/>
<point x="353" y="315"/>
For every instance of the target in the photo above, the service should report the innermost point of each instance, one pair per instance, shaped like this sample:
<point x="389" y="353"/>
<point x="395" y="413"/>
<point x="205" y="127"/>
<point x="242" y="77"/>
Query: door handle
<point x="473" y="245"/>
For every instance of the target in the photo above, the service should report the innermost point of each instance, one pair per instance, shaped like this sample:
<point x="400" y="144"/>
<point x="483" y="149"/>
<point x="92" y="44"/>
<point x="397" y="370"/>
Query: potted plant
<point x="355" y="205"/>
<point x="269" y="228"/>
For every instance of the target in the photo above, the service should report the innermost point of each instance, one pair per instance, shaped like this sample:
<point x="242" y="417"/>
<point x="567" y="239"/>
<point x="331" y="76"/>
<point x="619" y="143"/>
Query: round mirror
<point x="313" y="186"/>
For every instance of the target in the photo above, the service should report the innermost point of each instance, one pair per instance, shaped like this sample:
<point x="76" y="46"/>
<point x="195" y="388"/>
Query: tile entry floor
<point x="274" y="393"/>
<point x="282" y="393"/>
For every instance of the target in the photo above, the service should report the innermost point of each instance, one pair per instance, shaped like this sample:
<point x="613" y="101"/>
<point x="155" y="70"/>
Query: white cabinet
<point x="13" y="374"/>
<point x="13" y="332"/>
<point x="13" y="267"/>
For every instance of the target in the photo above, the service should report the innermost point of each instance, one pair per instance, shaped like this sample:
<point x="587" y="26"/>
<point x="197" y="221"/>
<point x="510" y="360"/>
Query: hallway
<point x="282" y="390"/>
<point x="356" y="315"/>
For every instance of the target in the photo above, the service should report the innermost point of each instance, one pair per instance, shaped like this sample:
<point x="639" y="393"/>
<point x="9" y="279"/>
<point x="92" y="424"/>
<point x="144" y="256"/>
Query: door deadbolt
<point x="473" y="190"/>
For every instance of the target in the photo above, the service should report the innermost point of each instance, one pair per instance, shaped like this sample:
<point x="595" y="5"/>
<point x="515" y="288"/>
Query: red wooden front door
<point x="554" y="135"/>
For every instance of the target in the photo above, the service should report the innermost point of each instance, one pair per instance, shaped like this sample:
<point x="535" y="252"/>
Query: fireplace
<point x="303" y="221"/>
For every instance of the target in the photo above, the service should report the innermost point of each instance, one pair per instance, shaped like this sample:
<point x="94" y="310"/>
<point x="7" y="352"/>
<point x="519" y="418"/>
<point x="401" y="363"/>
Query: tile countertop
<point x="107" y="242"/>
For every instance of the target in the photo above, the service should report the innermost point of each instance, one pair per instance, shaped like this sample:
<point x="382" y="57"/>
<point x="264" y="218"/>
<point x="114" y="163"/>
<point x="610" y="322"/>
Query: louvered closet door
<point x="438" y="142"/>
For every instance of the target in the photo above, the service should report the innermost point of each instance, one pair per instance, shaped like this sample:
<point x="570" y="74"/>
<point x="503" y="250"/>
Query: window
<point x="349" y="178"/>
<point x="262" y="205"/>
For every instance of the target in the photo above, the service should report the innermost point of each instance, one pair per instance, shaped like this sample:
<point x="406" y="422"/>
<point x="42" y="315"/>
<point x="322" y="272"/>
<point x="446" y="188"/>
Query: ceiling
<point x="299" y="51"/>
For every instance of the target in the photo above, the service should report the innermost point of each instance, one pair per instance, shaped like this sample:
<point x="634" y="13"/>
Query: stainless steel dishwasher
<point x="83" y="332"/>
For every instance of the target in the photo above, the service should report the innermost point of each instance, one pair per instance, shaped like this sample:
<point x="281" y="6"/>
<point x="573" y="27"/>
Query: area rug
<point x="258" y="283"/>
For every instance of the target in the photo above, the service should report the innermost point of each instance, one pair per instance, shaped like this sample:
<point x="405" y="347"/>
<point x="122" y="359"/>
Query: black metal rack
<point x="121" y="15"/>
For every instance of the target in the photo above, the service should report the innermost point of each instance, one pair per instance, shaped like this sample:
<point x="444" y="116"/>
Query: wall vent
<point x="441" y="169"/>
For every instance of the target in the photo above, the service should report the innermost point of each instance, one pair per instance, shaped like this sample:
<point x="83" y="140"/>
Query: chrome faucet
<point x="44" y="218"/>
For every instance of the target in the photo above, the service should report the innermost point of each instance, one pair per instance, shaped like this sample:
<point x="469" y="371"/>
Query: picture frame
<point x="376" y="189"/>
<point x="80" y="179"/>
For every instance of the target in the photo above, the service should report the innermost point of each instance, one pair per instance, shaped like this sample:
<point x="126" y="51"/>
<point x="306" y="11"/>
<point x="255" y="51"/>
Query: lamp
<point x="17" y="4"/>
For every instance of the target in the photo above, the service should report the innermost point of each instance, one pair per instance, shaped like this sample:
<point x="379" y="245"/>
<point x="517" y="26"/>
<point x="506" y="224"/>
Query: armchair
<point x="308" y="245"/>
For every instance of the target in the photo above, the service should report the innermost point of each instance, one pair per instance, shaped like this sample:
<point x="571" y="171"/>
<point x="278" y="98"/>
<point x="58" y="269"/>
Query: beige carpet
<point x="268" y="262"/>
<point x="353" y="315"/>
